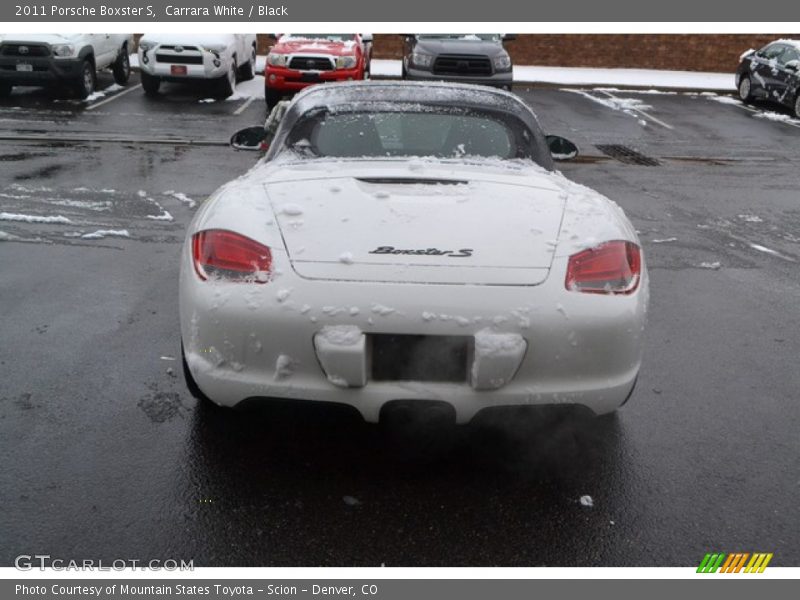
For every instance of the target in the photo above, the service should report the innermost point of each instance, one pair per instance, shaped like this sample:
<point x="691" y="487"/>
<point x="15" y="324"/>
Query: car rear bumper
<point x="248" y="341"/>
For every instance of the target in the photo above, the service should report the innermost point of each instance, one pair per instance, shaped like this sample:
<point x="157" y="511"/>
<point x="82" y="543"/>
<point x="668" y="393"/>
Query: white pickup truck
<point x="58" y="59"/>
<point x="223" y="58"/>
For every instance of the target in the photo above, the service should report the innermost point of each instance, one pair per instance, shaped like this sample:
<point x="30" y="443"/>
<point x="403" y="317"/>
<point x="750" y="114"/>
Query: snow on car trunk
<point x="418" y="229"/>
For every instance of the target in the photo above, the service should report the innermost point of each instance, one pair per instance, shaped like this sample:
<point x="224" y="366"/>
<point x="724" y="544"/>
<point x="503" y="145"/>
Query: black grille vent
<point x="626" y="155"/>
<point x="24" y="50"/>
<point x="180" y="59"/>
<point x="452" y="64"/>
<point x="311" y="63"/>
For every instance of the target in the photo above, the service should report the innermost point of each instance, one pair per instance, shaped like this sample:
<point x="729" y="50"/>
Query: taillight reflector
<point x="611" y="268"/>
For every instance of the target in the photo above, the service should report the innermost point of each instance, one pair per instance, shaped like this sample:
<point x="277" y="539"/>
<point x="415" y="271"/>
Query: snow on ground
<point x="4" y="216"/>
<point x="773" y="116"/>
<point x="103" y="233"/>
<point x="627" y="105"/>
<point x="641" y="78"/>
<point x="726" y="100"/>
<point x="181" y="196"/>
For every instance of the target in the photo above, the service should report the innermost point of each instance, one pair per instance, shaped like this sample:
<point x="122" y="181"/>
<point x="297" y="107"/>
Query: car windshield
<point x="422" y="131"/>
<point x="334" y="37"/>
<point x="475" y="37"/>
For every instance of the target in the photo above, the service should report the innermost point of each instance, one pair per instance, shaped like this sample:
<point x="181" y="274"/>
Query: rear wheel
<point x="248" y="69"/>
<point x="122" y="66"/>
<point x="272" y="97"/>
<point x="5" y="89"/>
<point x="745" y="89"/>
<point x="150" y="84"/>
<point x="87" y="80"/>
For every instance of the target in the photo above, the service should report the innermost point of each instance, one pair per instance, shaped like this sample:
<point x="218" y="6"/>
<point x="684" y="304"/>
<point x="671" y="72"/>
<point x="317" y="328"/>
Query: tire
<point x="87" y="80"/>
<point x="745" y="89"/>
<point x="122" y="66"/>
<point x="248" y="70"/>
<point x="150" y="84"/>
<point x="796" y="106"/>
<point x="5" y="90"/>
<point x="227" y="83"/>
<point x="272" y="97"/>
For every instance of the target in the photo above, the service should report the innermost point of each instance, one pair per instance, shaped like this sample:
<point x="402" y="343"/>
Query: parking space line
<point x="244" y="106"/>
<point x="114" y="97"/>
<point x="641" y="112"/>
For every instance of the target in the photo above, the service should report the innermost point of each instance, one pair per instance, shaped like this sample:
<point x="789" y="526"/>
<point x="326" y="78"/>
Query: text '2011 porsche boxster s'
<point x="412" y="242"/>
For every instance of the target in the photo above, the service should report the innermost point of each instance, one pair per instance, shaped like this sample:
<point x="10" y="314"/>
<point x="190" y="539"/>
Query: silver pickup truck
<point x="70" y="59"/>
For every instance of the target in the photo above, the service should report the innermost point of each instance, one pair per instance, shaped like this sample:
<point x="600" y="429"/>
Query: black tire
<point x="150" y="84"/>
<point x="227" y="83"/>
<point x="745" y="89"/>
<point x="403" y="73"/>
<point x="248" y="70"/>
<point x="796" y="109"/>
<point x="5" y="89"/>
<point x="272" y="97"/>
<point x="122" y="66"/>
<point x="87" y="80"/>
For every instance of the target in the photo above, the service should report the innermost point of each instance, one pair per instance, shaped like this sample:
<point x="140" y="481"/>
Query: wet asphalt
<point x="107" y="456"/>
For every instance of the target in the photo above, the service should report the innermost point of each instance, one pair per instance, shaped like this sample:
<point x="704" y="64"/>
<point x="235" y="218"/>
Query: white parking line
<point x="242" y="108"/>
<point x="114" y="97"/>
<point x="641" y="112"/>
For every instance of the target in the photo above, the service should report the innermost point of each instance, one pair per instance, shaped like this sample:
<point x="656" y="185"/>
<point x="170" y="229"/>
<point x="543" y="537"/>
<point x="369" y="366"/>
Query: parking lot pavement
<point x="107" y="456"/>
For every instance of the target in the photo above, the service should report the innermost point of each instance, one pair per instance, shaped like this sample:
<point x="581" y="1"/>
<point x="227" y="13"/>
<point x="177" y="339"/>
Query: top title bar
<point x="405" y="11"/>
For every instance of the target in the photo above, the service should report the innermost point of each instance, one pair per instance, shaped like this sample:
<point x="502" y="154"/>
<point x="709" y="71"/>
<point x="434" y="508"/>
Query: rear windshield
<point x="444" y="133"/>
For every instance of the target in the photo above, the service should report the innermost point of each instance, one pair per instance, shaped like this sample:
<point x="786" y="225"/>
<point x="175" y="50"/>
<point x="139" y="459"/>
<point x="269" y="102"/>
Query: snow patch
<point x="587" y="501"/>
<point x="4" y="216"/>
<point x="103" y="233"/>
<point x="284" y="367"/>
<point x="341" y="335"/>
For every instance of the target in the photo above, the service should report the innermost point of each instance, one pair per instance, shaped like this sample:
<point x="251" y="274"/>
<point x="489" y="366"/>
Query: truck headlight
<point x="146" y="46"/>
<point x="502" y="63"/>
<point x="420" y="59"/>
<point x="277" y="60"/>
<point x="345" y="62"/>
<point x="215" y="49"/>
<point x="63" y="50"/>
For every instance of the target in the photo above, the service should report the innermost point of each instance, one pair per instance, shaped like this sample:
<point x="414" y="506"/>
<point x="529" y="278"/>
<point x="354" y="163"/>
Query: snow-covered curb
<point x="575" y="76"/>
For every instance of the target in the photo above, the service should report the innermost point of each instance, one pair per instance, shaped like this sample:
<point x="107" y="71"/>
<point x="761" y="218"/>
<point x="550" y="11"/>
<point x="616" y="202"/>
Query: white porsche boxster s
<point x="407" y="242"/>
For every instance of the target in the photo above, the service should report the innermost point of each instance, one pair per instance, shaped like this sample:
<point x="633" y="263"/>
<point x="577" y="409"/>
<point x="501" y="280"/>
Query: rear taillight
<point x="228" y="255"/>
<point x="610" y="268"/>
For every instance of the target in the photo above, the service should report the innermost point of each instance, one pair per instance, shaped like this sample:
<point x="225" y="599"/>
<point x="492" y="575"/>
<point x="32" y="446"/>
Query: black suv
<point x="466" y="58"/>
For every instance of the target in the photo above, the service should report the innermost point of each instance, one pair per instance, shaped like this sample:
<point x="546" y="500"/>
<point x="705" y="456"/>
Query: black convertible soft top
<point x="377" y="95"/>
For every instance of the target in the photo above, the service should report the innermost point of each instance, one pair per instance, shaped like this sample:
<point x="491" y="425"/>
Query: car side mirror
<point x="561" y="148"/>
<point x="251" y="138"/>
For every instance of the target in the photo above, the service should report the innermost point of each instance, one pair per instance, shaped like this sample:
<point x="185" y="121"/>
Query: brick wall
<point x="695" y="52"/>
<point x="690" y="52"/>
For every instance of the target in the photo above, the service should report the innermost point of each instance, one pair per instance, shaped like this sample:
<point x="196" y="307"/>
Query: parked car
<point x="68" y="59"/>
<point x="224" y="59"/>
<point x="466" y="58"/>
<point x="302" y="59"/>
<point x="771" y="74"/>
<point x="411" y="242"/>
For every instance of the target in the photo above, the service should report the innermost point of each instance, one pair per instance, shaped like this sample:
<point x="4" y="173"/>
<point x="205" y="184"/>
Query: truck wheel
<point x="5" y="89"/>
<point x="122" y="66"/>
<point x="87" y="81"/>
<point x="272" y="97"/>
<point x="248" y="70"/>
<point x="150" y="84"/>
<point x="227" y="83"/>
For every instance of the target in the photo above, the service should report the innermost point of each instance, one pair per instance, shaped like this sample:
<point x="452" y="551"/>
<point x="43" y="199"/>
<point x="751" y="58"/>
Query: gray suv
<point x="466" y="58"/>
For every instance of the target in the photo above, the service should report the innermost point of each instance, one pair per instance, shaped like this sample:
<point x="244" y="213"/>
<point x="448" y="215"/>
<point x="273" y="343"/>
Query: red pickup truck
<point x="302" y="59"/>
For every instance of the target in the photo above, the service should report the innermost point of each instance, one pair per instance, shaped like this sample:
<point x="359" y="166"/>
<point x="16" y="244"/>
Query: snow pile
<point x="341" y="335"/>
<point x="102" y="233"/>
<point x="182" y="197"/>
<point x="587" y="501"/>
<point x="773" y="116"/>
<point x="4" y="216"/>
